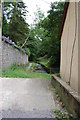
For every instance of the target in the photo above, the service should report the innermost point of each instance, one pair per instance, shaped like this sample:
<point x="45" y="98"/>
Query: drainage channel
<point x="39" y="68"/>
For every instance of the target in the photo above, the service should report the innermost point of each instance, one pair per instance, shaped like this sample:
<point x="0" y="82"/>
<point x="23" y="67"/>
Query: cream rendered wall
<point x="79" y="47"/>
<point x="67" y="40"/>
<point x="0" y="43"/>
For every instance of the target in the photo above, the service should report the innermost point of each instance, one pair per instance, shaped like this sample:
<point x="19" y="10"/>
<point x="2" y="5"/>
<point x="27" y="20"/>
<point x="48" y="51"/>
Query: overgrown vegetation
<point x="20" y="71"/>
<point x="43" y="60"/>
<point x="35" y="74"/>
<point x="62" y="116"/>
<point x="16" y="71"/>
<point x="14" y="22"/>
<point x="46" y="31"/>
<point x="41" y="38"/>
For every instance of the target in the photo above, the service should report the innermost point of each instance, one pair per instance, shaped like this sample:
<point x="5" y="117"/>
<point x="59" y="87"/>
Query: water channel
<point x="39" y="68"/>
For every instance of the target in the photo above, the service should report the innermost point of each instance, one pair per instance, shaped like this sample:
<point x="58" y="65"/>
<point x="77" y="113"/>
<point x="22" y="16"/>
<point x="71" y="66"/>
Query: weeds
<point x="16" y="71"/>
<point x="19" y="71"/>
<point x="61" y="116"/>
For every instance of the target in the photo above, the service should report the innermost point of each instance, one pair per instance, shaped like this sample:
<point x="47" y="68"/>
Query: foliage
<point x="15" y="71"/>
<point x="34" y="74"/>
<point x="19" y="71"/>
<point x="34" y="41"/>
<point x="42" y="39"/>
<point x="32" y="45"/>
<point x="61" y="116"/>
<point x="5" y="27"/>
<point x="43" y="60"/>
<point x="39" y="16"/>
<point x="27" y="51"/>
<point x="14" y="12"/>
<point x="44" y="35"/>
<point x="52" y="24"/>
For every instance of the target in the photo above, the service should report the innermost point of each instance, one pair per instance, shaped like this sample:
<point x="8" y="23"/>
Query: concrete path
<point x="26" y="98"/>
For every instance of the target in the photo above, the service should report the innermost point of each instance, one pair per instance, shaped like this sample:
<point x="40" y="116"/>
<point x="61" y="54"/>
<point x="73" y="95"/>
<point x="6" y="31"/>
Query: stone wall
<point x="11" y="53"/>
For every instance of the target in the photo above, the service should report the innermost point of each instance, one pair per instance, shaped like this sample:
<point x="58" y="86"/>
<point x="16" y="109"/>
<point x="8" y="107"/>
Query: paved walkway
<point x="26" y="98"/>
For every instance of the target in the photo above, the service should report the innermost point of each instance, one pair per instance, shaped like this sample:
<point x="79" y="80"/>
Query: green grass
<point x="34" y="74"/>
<point x="43" y="60"/>
<point x="38" y="75"/>
<point x="16" y="71"/>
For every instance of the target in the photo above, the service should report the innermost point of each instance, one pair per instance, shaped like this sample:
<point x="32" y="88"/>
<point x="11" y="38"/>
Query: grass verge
<point x="16" y="71"/>
<point x="34" y="74"/>
<point x="19" y="71"/>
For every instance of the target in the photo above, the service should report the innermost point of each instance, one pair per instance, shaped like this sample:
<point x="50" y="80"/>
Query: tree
<point x="18" y="28"/>
<point x="5" y="27"/>
<point x="52" y="24"/>
<point x="44" y="36"/>
<point x="39" y="16"/>
<point x="32" y="44"/>
<point x="43" y="39"/>
<point x="36" y="36"/>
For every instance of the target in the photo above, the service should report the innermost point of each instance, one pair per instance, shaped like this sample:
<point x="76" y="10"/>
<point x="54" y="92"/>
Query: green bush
<point x="27" y="51"/>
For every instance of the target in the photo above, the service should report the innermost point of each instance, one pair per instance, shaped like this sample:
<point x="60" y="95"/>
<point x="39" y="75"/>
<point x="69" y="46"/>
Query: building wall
<point x="12" y="55"/>
<point x="0" y="51"/>
<point x="0" y="43"/>
<point x="79" y="46"/>
<point x="67" y="40"/>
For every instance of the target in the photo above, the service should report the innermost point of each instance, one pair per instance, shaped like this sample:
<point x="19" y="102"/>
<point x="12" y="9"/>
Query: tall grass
<point x="16" y="71"/>
<point x="20" y="71"/>
<point x="34" y="74"/>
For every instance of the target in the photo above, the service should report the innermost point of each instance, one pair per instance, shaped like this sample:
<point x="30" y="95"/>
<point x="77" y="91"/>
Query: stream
<point x="39" y="68"/>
